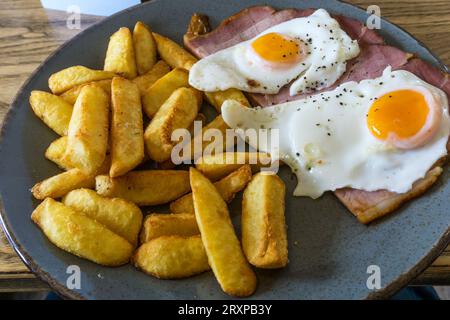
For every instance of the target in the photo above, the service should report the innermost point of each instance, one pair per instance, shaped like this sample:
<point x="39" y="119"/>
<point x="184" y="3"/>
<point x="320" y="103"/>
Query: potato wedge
<point x="127" y="132"/>
<point x="120" y="57"/>
<point x="55" y="152"/>
<point x="161" y="90"/>
<point x="144" y="47"/>
<point x="54" y="111"/>
<point x="68" y="78"/>
<point x="178" y="112"/>
<point x="76" y="233"/>
<point x="200" y="142"/>
<point x="87" y="139"/>
<point x="217" y="166"/>
<point x="172" y="257"/>
<point x="173" y="54"/>
<point x="59" y="185"/>
<point x="145" y="188"/>
<point x="120" y="216"/>
<point x="222" y="246"/>
<point x="146" y="80"/>
<point x="227" y="187"/>
<point x="216" y="99"/>
<point x="71" y="95"/>
<point x="263" y="225"/>
<point x="163" y="224"/>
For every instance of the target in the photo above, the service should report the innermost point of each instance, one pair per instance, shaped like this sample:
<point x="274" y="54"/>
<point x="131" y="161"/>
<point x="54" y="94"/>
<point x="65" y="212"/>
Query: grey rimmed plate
<point x="329" y="250"/>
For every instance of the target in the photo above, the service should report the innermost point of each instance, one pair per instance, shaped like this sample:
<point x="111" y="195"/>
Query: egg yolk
<point x="402" y="112"/>
<point x="276" y="48"/>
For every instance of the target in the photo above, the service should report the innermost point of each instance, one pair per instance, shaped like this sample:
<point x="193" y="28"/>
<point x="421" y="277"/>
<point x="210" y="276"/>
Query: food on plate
<point x="127" y="132"/>
<point x="204" y="141"/>
<point x="145" y="188"/>
<point x="173" y="54"/>
<point x="54" y="111"/>
<point x="368" y="206"/>
<point x="164" y="224"/>
<point x="120" y="57"/>
<point x="172" y="257"/>
<point x="398" y="124"/>
<point x="87" y="138"/>
<point x="217" y="98"/>
<point x="144" y="48"/>
<point x="311" y="52"/>
<point x="71" y="95"/>
<point x="219" y="165"/>
<point x="120" y="216"/>
<point x="60" y="184"/>
<point x="263" y="226"/>
<point x="227" y="187"/>
<point x="222" y="247"/>
<point x="178" y="112"/>
<point x="55" y="152"/>
<point x="161" y="90"/>
<point x="146" y="80"/>
<point x="178" y="57"/>
<point x="68" y="78"/>
<point x="80" y="235"/>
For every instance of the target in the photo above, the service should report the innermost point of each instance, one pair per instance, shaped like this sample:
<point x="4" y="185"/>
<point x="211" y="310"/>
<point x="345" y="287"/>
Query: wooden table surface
<point x="28" y="34"/>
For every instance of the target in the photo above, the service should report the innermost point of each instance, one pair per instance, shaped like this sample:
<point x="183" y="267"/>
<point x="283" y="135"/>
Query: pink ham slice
<point x="250" y="22"/>
<point x="374" y="58"/>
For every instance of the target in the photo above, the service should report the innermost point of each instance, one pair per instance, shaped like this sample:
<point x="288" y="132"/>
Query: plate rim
<point x="398" y="283"/>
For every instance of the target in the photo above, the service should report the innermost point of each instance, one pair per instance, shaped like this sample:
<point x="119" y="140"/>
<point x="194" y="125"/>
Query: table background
<point x="28" y="34"/>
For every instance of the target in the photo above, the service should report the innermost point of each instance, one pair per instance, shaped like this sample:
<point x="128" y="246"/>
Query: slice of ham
<point x="374" y="58"/>
<point x="250" y="22"/>
<point x="368" y="206"/>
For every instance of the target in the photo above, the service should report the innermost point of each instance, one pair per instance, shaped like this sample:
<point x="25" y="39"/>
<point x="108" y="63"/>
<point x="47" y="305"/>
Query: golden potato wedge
<point x="161" y="90"/>
<point x="263" y="226"/>
<point x="54" y="111"/>
<point x="163" y="224"/>
<point x="173" y="54"/>
<point x="227" y="187"/>
<point x="145" y="188"/>
<point x="68" y="78"/>
<point x="178" y="112"/>
<point x="127" y="132"/>
<point x="216" y="99"/>
<point x="72" y="94"/>
<point x="74" y="232"/>
<point x="144" y="47"/>
<point x="200" y="142"/>
<point x="172" y="257"/>
<point x="87" y="139"/>
<point x="222" y="247"/>
<point x="199" y="118"/>
<point x="146" y="80"/>
<point x="59" y="185"/>
<point x="55" y="152"/>
<point x="118" y="215"/>
<point x="219" y="165"/>
<point x="120" y="57"/>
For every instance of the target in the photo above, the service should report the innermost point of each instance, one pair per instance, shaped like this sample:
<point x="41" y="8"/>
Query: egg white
<point x="325" y="140"/>
<point x="327" y="48"/>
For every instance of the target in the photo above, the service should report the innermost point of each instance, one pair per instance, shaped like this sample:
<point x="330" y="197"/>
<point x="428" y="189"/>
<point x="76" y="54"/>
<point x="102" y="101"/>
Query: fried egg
<point x="380" y="134"/>
<point x="312" y="51"/>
